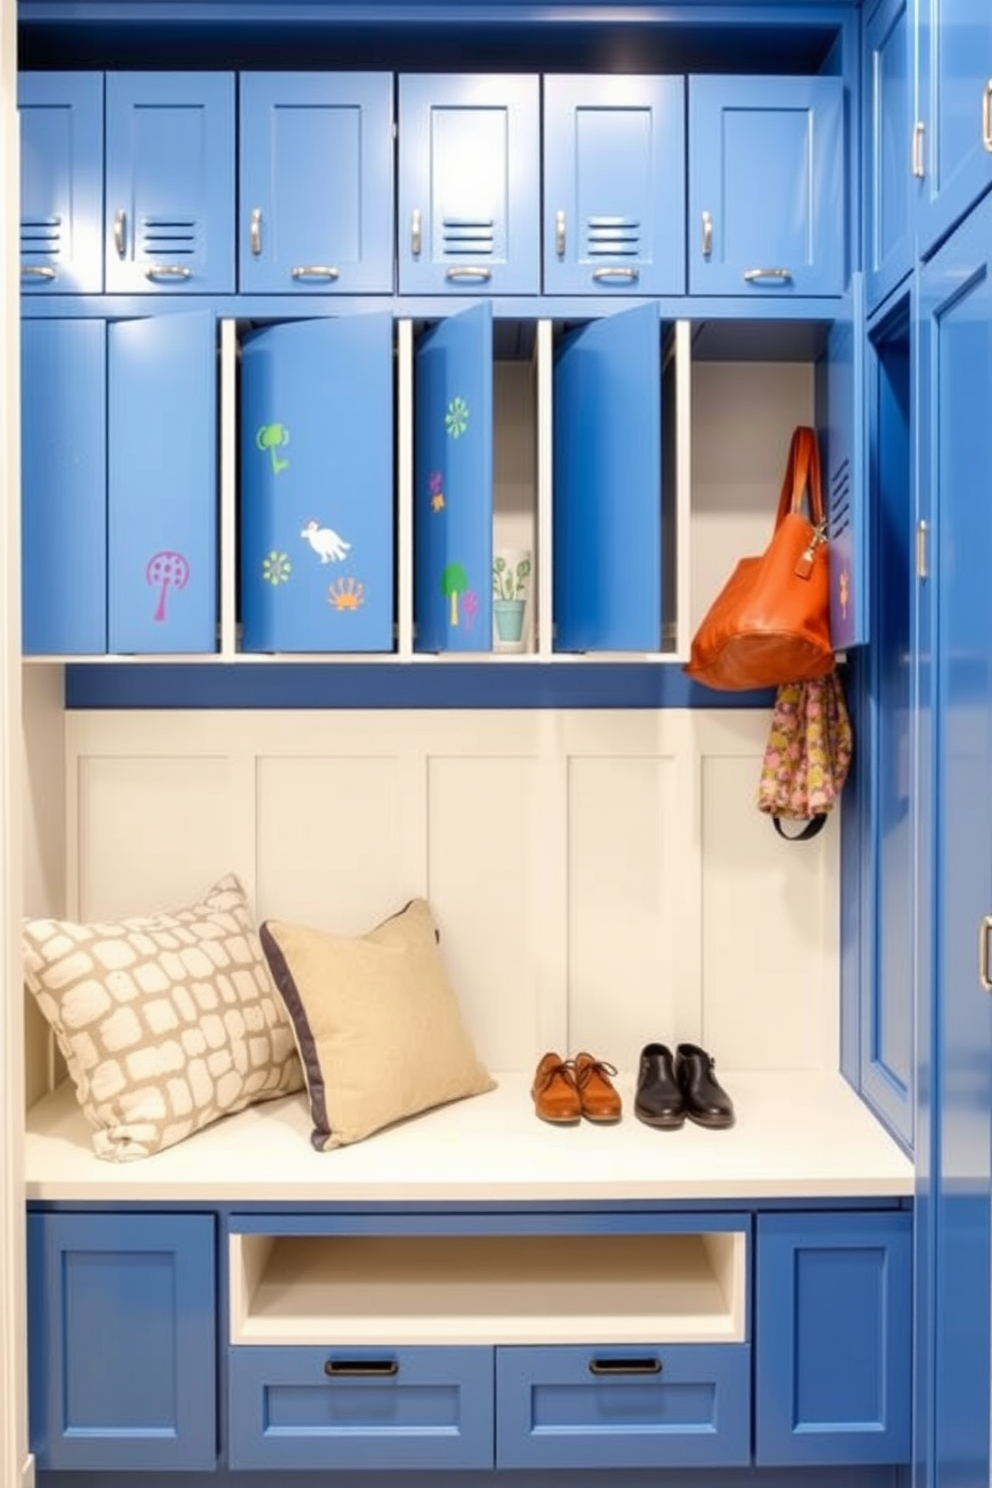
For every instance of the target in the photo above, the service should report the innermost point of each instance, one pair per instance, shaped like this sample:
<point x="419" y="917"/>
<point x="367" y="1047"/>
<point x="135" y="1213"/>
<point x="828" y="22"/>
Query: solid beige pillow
<point x="377" y="1023"/>
<point x="166" y="1022"/>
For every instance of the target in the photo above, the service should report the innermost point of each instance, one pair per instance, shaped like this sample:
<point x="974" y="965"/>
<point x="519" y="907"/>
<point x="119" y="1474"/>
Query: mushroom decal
<point x="166" y="569"/>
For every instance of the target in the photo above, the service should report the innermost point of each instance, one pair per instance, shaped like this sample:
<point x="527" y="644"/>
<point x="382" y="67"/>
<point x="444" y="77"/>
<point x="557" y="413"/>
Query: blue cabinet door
<point x="169" y="208"/>
<point x="954" y="87"/>
<point x="607" y="484"/>
<point x="162" y="485"/>
<point x="121" y="1348"/>
<point x="888" y="124"/>
<point x="956" y="468"/>
<point x="614" y="185"/>
<point x="469" y="185"/>
<point x="317" y="486"/>
<point x="453" y="483"/>
<point x="64" y="486"/>
<point x="833" y="1338"/>
<point x="316" y="182"/>
<point x="767" y="186"/>
<point x="61" y="124"/>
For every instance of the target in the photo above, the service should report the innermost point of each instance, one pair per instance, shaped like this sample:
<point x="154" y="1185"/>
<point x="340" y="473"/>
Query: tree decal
<point x="454" y="581"/>
<point x="456" y="418"/>
<point x="272" y="437"/>
<point x="168" y="570"/>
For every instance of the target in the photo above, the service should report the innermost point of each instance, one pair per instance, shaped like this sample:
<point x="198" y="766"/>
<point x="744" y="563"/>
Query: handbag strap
<point x="802" y="473"/>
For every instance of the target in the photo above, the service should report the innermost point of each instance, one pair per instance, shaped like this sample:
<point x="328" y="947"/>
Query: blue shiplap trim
<point x="399" y="685"/>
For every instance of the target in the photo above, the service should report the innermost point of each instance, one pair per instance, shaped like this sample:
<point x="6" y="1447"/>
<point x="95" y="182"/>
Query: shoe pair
<point x="670" y="1088"/>
<point x="565" y="1090"/>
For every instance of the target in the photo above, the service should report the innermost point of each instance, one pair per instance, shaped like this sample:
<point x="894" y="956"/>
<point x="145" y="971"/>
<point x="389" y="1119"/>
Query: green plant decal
<point x="276" y="568"/>
<point x="272" y="437"/>
<point x="509" y="583"/>
<point x="456" y="418"/>
<point x="454" y="581"/>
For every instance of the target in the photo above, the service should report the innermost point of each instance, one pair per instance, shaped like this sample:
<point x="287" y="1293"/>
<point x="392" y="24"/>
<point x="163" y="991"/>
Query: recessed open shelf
<point x="685" y="1288"/>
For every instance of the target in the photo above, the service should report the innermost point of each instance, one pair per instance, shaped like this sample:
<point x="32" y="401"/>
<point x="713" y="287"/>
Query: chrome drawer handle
<point x="983" y="952"/>
<point x="560" y="234"/>
<point x="650" y="1364"/>
<point x="619" y="271"/>
<point x="255" y="231"/>
<point x="168" y="271"/>
<point x="468" y="271"/>
<point x="316" y="271"/>
<point x="360" y="1368"/>
<point x="919" y="135"/>
<point x="773" y="276"/>
<point x="37" y="271"/>
<point x="707" y="234"/>
<point x="120" y="232"/>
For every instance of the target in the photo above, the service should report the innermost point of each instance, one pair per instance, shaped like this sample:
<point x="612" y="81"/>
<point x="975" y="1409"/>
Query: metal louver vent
<point x="613" y="237"/>
<point x="839" y="508"/>
<point x="41" y="238"/>
<point x="468" y="236"/>
<point x="167" y="237"/>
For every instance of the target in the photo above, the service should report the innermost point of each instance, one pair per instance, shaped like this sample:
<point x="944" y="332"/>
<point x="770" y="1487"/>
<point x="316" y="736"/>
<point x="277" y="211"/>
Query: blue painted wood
<point x="316" y="165"/>
<point x="767" y="164"/>
<point x="840" y="399"/>
<point x="614" y="185"/>
<point x="670" y="1405"/>
<point x="889" y="61"/>
<point x="607" y="442"/>
<point x="317" y="486"/>
<point x="469" y="173"/>
<point x="453" y="483"/>
<point x="170" y="169"/>
<point x="833" y="1338"/>
<point x="954" y="69"/>
<point x="388" y="1407"/>
<point x="955" y="341"/>
<point x="162" y="499"/>
<point x="63" y="487"/>
<point x="121" y="1341"/>
<point x="61" y="131"/>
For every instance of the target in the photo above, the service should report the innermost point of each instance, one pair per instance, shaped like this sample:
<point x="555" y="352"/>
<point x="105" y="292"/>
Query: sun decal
<point x="346" y="594"/>
<point x="456" y="418"/>
<point x="276" y="568"/>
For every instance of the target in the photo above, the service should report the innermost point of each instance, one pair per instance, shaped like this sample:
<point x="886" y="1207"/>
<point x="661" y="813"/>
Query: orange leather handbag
<point x="770" y="623"/>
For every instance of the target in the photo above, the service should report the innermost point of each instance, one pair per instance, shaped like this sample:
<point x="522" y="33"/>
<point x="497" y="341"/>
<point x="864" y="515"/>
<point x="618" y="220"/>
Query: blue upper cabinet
<point x="614" y="185"/>
<point x="469" y="185"/>
<point x="316" y="182"/>
<point x="888" y="122"/>
<point x="767" y="186"/>
<point x="954" y="103"/>
<point x="61" y="124"/>
<point x="170" y="169"/>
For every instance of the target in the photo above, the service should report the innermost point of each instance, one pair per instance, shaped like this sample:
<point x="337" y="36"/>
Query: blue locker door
<point x="453" y="483"/>
<point x="64" y="486"/>
<point x="169" y="207"/>
<point x="614" y="185"/>
<point x="316" y="182"/>
<point x="956" y="465"/>
<point x="61" y="123"/>
<point x="840" y="405"/>
<point x="162" y="489"/>
<point x="317" y="486"/>
<point x="469" y="185"/>
<point x="888" y="73"/>
<point x="121" y="1350"/>
<point x="767" y="188"/>
<point x="607" y="485"/>
<point x="955" y="106"/>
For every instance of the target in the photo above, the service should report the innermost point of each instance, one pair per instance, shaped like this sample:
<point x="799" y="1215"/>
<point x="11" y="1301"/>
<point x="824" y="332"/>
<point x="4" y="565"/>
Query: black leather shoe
<point x="706" y="1101"/>
<point x="658" y="1100"/>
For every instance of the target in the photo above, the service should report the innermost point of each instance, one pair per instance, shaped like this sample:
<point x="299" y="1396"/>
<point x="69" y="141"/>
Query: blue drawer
<point x="674" y="1405"/>
<point x="303" y="1407"/>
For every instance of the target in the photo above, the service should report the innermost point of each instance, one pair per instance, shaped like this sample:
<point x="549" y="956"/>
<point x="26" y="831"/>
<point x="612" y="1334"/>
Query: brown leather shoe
<point x="600" y="1101"/>
<point x="556" y="1097"/>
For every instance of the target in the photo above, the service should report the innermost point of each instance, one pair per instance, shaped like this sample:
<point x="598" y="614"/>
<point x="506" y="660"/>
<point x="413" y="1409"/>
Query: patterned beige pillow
<point x="166" y="1023"/>
<point x="377" y="1023"/>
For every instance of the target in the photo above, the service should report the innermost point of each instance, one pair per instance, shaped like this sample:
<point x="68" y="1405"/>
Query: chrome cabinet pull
<point x="315" y="271"/>
<point x="983" y="952"/>
<point x="168" y="271"/>
<point x="626" y="272"/>
<point x="560" y="234"/>
<point x="919" y="134"/>
<point x="922" y="534"/>
<point x="37" y="271"/>
<point x="987" y="116"/>
<point x="468" y="271"/>
<point x="255" y="231"/>
<point x="773" y="276"/>
<point x="648" y="1364"/>
<point x="707" y="234"/>
<point x="416" y="238"/>
<point x="120" y="232"/>
<point x="354" y="1368"/>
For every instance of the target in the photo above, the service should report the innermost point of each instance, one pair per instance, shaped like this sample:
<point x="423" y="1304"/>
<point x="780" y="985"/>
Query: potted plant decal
<point x="510" y="574"/>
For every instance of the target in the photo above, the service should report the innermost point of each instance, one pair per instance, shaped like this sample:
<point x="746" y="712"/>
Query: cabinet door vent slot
<point x="613" y="237"/>
<point x="162" y="236"/>
<point x="472" y="236"/>
<point x="41" y="237"/>
<point x="839" y="509"/>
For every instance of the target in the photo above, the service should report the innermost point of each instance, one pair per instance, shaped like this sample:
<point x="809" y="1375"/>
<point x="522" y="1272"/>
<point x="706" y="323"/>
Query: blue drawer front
<point x="317" y="486"/>
<point x="385" y="1408"/>
<point x="674" y="1405"/>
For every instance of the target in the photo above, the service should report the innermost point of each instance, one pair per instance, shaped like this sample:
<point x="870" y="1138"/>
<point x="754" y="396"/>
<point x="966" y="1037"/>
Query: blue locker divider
<point x="317" y="486"/>
<point x="162" y="501"/>
<point x="607" y="484"/>
<point x="64" y="486"/>
<point x="453" y="490"/>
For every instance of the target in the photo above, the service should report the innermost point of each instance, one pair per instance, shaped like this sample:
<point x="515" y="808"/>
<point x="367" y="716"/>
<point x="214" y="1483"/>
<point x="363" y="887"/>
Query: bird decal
<point x="325" y="541"/>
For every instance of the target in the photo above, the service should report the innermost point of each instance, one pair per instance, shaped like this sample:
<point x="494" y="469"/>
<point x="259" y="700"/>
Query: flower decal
<point x="276" y="568"/>
<point x="456" y="418"/>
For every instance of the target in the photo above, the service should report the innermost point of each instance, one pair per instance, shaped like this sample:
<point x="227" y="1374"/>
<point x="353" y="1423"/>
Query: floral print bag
<point x="807" y="755"/>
